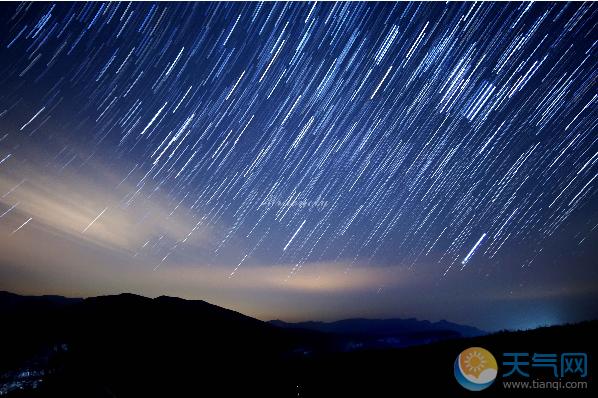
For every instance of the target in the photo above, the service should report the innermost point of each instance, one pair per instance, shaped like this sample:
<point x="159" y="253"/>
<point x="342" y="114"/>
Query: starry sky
<point x="305" y="160"/>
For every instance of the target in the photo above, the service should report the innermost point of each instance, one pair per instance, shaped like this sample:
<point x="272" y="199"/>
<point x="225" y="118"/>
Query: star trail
<point x="445" y="137"/>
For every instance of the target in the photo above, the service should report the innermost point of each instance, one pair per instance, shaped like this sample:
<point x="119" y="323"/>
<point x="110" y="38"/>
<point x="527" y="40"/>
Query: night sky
<point x="305" y="161"/>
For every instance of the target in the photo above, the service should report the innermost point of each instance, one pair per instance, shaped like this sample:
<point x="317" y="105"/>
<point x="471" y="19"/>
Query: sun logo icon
<point x="475" y="368"/>
<point x="474" y="362"/>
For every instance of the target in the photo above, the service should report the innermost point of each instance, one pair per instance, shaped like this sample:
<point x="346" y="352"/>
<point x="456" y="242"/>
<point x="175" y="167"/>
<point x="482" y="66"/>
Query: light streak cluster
<point x="432" y="132"/>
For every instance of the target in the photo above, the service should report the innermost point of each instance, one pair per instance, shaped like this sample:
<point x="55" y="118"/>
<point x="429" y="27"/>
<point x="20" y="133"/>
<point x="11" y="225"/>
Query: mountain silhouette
<point x="129" y="345"/>
<point x="361" y="333"/>
<point x="132" y="346"/>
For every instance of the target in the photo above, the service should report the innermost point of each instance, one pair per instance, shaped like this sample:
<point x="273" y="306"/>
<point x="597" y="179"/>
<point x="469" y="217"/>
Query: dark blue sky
<point x="300" y="160"/>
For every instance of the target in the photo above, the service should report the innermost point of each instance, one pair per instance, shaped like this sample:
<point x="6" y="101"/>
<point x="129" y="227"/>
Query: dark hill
<point x="129" y="345"/>
<point x="133" y="346"/>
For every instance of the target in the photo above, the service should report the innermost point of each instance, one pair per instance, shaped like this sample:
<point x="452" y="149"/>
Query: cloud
<point x="314" y="277"/>
<point x="96" y="208"/>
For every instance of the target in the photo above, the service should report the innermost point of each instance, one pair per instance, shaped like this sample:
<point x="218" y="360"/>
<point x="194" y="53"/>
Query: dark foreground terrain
<point x="132" y="346"/>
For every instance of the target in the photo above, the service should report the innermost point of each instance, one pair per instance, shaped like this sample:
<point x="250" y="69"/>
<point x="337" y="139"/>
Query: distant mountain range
<point x="132" y="346"/>
<point x="409" y="331"/>
<point x="381" y="326"/>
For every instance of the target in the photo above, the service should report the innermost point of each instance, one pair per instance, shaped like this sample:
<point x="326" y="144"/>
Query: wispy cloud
<point x="96" y="209"/>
